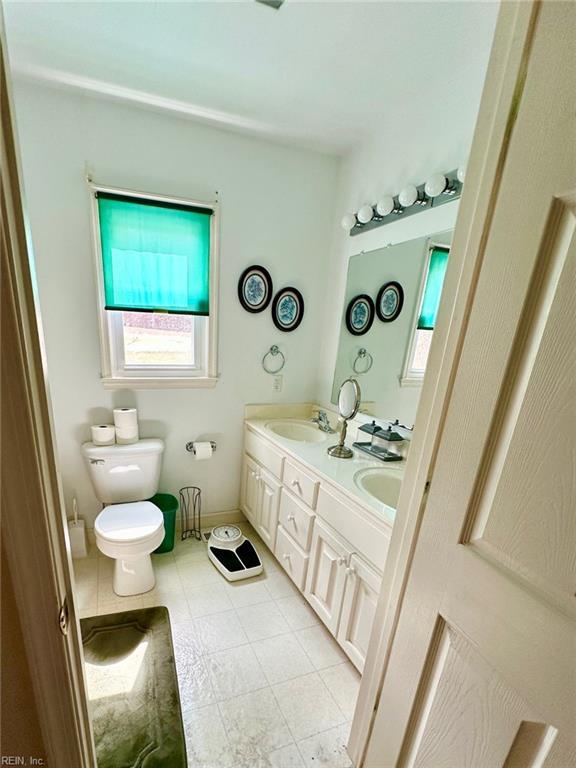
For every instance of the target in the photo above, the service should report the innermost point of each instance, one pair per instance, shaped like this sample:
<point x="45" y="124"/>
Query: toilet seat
<point x="133" y="523"/>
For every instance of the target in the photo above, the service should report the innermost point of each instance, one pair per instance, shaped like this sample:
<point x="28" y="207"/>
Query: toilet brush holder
<point x="77" y="535"/>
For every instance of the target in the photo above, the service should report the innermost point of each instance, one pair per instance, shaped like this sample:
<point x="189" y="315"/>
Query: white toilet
<point x="129" y="529"/>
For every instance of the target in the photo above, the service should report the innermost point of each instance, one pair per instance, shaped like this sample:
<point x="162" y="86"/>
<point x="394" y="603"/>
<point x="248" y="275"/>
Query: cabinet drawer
<point x="264" y="454"/>
<point x="302" y="485"/>
<point x="291" y="557"/>
<point x="296" y="519"/>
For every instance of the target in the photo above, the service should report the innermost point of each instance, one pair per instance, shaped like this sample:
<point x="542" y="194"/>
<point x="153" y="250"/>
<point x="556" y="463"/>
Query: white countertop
<point x="338" y="472"/>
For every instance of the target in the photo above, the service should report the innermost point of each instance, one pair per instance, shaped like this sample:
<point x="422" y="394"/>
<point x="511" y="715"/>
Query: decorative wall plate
<point x="287" y="309"/>
<point x="389" y="301"/>
<point x="360" y="314"/>
<point x="255" y="288"/>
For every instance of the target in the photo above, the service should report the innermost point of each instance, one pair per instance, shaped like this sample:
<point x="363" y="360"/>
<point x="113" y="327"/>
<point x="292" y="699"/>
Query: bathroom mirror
<point x="389" y="359"/>
<point x="349" y="399"/>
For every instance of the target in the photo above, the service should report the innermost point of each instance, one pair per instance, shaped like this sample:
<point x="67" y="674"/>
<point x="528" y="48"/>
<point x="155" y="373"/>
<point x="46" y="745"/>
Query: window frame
<point x="115" y="374"/>
<point x="411" y="377"/>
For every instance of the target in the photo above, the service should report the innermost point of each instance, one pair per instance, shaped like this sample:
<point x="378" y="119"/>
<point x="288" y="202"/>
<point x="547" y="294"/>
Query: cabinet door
<point x="250" y="490"/>
<point x="326" y="574"/>
<point x="267" y="516"/>
<point x="361" y="592"/>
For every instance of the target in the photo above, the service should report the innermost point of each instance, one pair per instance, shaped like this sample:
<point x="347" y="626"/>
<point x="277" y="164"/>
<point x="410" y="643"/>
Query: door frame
<point x="33" y="514"/>
<point x="498" y="109"/>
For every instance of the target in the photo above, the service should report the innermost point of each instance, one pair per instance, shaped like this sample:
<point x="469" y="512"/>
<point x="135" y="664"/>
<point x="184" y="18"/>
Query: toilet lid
<point x="129" y="522"/>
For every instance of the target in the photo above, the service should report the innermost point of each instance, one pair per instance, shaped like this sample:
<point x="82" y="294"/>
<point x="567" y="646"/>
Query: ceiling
<point x="327" y="75"/>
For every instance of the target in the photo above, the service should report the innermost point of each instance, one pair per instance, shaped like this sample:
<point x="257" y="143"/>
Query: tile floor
<point x="262" y="683"/>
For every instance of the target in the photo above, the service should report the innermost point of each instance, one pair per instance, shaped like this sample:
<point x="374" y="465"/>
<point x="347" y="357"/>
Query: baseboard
<point x="210" y="519"/>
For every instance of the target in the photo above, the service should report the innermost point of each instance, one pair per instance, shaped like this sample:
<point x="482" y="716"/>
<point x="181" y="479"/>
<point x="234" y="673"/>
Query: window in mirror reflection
<point x="421" y="340"/>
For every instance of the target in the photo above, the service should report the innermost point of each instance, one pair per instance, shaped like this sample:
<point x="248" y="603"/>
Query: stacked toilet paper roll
<point x="126" y="425"/>
<point x="103" y="434"/>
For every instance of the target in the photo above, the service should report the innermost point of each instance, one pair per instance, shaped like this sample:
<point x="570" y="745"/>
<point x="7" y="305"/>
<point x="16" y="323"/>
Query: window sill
<point x="411" y="381"/>
<point x="160" y="382"/>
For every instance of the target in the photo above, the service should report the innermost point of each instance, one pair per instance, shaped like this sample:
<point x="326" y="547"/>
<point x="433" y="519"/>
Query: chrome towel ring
<point x="363" y="355"/>
<point x="274" y="351"/>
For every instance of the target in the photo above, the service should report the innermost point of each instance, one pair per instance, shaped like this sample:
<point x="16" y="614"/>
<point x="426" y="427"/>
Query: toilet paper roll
<point x="202" y="451"/>
<point x="103" y="434"/>
<point x="127" y="435"/>
<point x="126" y="418"/>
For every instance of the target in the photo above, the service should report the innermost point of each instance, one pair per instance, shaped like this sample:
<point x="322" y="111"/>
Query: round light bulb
<point x="408" y="196"/>
<point x="385" y="206"/>
<point x="461" y="174"/>
<point x="365" y="214"/>
<point x="435" y="185"/>
<point x="348" y="221"/>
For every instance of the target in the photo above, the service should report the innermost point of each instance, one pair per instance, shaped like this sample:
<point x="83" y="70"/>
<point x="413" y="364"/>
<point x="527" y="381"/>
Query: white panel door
<point x="267" y="517"/>
<point x="482" y="668"/>
<point x="250" y="489"/>
<point x="326" y="574"/>
<point x="358" y="609"/>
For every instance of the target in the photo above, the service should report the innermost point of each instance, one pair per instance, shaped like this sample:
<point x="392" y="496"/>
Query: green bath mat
<point x="133" y="690"/>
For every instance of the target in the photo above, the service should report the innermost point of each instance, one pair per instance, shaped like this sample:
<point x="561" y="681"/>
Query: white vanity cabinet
<point x="250" y="489"/>
<point x="267" y="518"/>
<point x="343" y="589"/>
<point x="358" y="609"/>
<point x="260" y="499"/>
<point x="326" y="575"/>
<point x="327" y="543"/>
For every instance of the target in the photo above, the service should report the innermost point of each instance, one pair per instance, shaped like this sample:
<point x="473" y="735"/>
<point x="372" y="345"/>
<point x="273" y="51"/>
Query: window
<point x="156" y="269"/>
<point x="429" y="301"/>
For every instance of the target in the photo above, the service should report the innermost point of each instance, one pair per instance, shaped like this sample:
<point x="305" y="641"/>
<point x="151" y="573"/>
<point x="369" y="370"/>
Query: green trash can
<point x="168" y="505"/>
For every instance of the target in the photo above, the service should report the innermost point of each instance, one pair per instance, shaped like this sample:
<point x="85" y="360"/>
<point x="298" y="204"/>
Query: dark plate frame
<point x="299" y="300"/>
<point x="351" y="303"/>
<point x="268" y="279"/>
<point x="400" y="291"/>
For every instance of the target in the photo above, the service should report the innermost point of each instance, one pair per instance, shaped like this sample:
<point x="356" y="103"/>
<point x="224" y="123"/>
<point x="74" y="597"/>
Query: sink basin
<point x="381" y="484"/>
<point x="298" y="431"/>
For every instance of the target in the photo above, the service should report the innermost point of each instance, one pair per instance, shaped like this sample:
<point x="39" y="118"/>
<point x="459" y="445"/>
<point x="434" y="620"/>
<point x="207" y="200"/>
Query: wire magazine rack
<point x="191" y="512"/>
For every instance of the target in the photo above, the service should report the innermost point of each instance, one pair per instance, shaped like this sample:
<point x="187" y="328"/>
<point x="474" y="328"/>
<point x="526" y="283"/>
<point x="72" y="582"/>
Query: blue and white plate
<point x="287" y="309"/>
<point x="255" y="288"/>
<point x="389" y="301"/>
<point x="360" y="315"/>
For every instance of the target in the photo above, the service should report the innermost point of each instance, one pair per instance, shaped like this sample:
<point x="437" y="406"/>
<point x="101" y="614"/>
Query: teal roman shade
<point x="433" y="288"/>
<point x="155" y="255"/>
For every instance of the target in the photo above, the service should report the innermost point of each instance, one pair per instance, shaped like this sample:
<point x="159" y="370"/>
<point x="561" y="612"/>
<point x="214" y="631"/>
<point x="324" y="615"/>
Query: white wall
<point x="276" y="210"/>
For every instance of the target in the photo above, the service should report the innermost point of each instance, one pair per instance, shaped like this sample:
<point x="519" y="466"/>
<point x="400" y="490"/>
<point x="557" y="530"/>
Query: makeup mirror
<point x="348" y="404"/>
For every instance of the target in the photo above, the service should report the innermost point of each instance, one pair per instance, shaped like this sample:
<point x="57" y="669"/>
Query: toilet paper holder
<point x="190" y="446"/>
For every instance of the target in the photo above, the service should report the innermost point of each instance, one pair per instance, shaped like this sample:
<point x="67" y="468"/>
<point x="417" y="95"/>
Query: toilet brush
<point x="77" y="533"/>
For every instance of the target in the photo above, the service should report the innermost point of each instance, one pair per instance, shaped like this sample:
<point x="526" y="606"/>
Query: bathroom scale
<point x="233" y="554"/>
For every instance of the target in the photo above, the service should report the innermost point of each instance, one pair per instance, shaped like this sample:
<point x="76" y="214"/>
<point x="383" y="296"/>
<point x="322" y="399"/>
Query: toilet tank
<point x="124" y="472"/>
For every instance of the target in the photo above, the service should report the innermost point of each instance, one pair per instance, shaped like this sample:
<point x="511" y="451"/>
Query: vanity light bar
<point x="440" y="188"/>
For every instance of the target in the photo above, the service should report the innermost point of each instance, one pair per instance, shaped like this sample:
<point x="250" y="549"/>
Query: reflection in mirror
<point x="349" y="399"/>
<point x="405" y="283"/>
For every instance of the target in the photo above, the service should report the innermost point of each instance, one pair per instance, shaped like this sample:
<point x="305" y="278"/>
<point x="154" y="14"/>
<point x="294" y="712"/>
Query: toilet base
<point x="133" y="575"/>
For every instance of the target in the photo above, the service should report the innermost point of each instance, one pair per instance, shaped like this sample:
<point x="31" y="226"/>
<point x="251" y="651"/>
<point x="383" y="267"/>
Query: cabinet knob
<point x="350" y="571"/>
<point x="291" y="518"/>
<point x="341" y="560"/>
<point x="286" y="557"/>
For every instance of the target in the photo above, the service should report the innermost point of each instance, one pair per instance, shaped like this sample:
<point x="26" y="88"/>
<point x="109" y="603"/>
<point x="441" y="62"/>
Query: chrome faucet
<point x="323" y="423"/>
